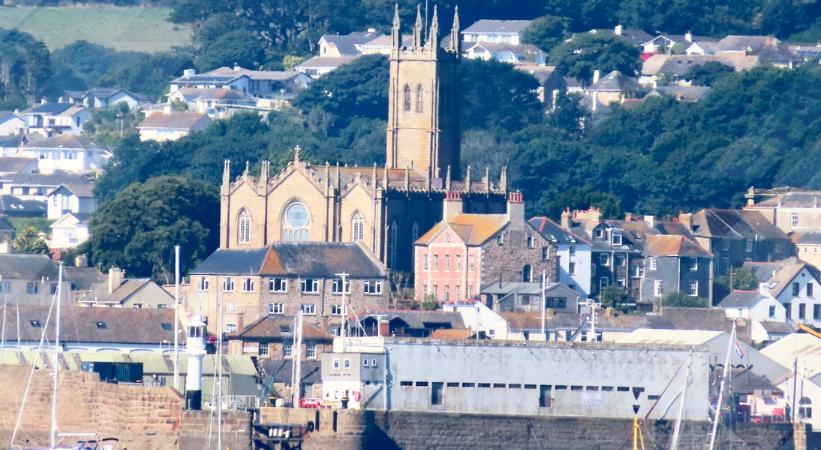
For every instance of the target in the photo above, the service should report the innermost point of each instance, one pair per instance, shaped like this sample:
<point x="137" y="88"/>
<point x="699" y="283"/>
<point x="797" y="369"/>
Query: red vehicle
<point x="310" y="402"/>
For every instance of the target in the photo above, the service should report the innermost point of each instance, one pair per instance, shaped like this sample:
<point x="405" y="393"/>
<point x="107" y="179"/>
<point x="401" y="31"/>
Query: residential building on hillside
<point x="803" y="392"/>
<point x="50" y="118"/>
<point x="285" y="278"/>
<point x="407" y="323"/>
<point x="104" y="97"/>
<point x="660" y="69"/>
<point x="318" y="66"/>
<point x="29" y="280"/>
<point x="10" y="145"/>
<point x="37" y="186"/>
<point x="767" y="316"/>
<point x="735" y="236"/>
<point x="13" y="206"/>
<point x="173" y="125"/>
<point x="117" y="291"/>
<point x="551" y="82"/>
<point x="270" y="84"/>
<point x="788" y="209"/>
<point x="674" y="263"/>
<point x="69" y="231"/>
<point x="527" y="297"/>
<point x="632" y="36"/>
<point x="191" y="79"/>
<point x="11" y="124"/>
<point x="498" y="31"/>
<point x="506" y="53"/>
<point x="463" y="253"/>
<point x="272" y="336"/>
<point x="614" y="87"/>
<point x="6" y="235"/>
<point x="795" y="284"/>
<point x="670" y="43"/>
<point x="66" y="153"/>
<point x="217" y="103"/>
<point x="808" y="246"/>
<point x="574" y="252"/>
<point x="12" y="165"/>
<point x="335" y="45"/>
<point x="71" y="198"/>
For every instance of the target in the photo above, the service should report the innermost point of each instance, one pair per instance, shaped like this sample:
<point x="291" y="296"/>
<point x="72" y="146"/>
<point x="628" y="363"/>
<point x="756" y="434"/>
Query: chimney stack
<point x="516" y="211"/>
<point x="384" y="328"/>
<point x="596" y="76"/>
<point x="650" y="221"/>
<point x="452" y="205"/>
<point x="566" y="218"/>
<point x="618" y="30"/>
<point x="116" y="277"/>
<point x="686" y="219"/>
<point x="688" y="37"/>
<point x="81" y="261"/>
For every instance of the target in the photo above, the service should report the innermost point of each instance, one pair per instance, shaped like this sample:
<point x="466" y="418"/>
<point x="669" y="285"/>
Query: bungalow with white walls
<point x="66" y="153"/>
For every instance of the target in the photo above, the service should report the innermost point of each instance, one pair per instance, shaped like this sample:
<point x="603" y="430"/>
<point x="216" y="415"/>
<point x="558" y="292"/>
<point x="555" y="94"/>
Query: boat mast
<point x="544" y="286"/>
<point x="53" y="434"/>
<point x="177" y="318"/>
<point x="220" y="324"/>
<point x="721" y="388"/>
<point x="296" y="361"/>
<point x="677" y="428"/>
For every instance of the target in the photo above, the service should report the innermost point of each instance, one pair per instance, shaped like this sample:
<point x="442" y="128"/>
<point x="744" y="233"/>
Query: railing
<point x="234" y="402"/>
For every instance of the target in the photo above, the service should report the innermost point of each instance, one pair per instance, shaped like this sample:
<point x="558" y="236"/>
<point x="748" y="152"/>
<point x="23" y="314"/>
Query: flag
<point x="738" y="350"/>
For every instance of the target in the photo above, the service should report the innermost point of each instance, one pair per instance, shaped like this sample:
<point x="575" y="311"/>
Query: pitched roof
<point x="5" y="225"/>
<point x="13" y="141"/>
<point x="520" y="50"/>
<point x="191" y="93"/>
<point x="280" y="370"/>
<point x="346" y="43"/>
<point x="322" y="62"/>
<point x="552" y="231"/>
<point x="11" y="205"/>
<point x="64" y="141"/>
<point x="95" y="325"/>
<point x="472" y="229"/>
<point x="419" y="319"/>
<point x="15" y="164"/>
<point x="85" y="190"/>
<point x="27" y="267"/>
<point x="686" y="93"/>
<point x="744" y="43"/>
<point x="320" y="259"/>
<point x="792" y="199"/>
<point x="741" y="299"/>
<point x="269" y="75"/>
<point x="806" y="237"/>
<point x="55" y="179"/>
<point x="83" y="278"/>
<point x="281" y="328"/>
<point x="445" y="334"/>
<point x="540" y="73"/>
<point x="49" y="108"/>
<point x="5" y="116"/>
<point x="615" y="81"/>
<point x="777" y="327"/>
<point x="673" y="245"/>
<point x="497" y="26"/>
<point x="677" y="337"/>
<point x="299" y="259"/>
<point x="208" y="78"/>
<point x="177" y="120"/>
<point x="518" y="287"/>
<point x="803" y="345"/>
<point x="735" y="224"/>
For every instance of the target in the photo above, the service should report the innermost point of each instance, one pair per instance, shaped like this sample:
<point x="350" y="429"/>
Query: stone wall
<point x="354" y="430"/>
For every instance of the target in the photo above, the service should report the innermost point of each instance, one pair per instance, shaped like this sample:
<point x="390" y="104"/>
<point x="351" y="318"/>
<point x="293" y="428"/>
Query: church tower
<point x="423" y="100"/>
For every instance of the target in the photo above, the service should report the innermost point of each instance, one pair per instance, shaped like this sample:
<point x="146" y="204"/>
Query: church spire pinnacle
<point x="455" y="37"/>
<point x="396" y="32"/>
<point x="433" y="36"/>
<point x="417" y="29"/>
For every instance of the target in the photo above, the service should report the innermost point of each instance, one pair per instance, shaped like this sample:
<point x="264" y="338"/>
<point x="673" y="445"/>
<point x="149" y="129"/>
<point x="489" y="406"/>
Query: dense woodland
<point x="760" y="127"/>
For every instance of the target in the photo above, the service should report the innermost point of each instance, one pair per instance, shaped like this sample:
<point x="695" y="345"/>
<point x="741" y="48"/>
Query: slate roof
<point x="206" y="78"/>
<point x="49" y="108"/>
<point x="269" y="75"/>
<point x="777" y="327"/>
<point x="741" y="43"/>
<point x="297" y="259"/>
<point x="83" y="278"/>
<point x="320" y="259"/>
<point x="321" y="62"/>
<point x="5" y="116"/>
<point x="673" y="245"/>
<point x="346" y="43"/>
<point x="520" y="50"/>
<point x="615" y="81"/>
<point x="5" y="225"/>
<point x="232" y="262"/>
<point x="177" y="120"/>
<point x="190" y="93"/>
<point x="497" y="26"/>
<point x="27" y="267"/>
<point x="418" y="319"/>
<point x="85" y="190"/>
<point x="735" y="224"/>
<point x="552" y="231"/>
<point x="741" y="299"/>
<point x="806" y="237"/>
<point x="11" y="205"/>
<point x="540" y="73"/>
<point x="686" y="93"/>
<point x="14" y="164"/>
<point x="445" y="334"/>
<point x="510" y="287"/>
<point x="120" y="295"/>
<point x="472" y="229"/>
<point x="94" y="325"/>
<point x="12" y="141"/>
<point x="280" y="328"/>
<point x="632" y="35"/>
<point x="55" y="179"/>
<point x="792" y="199"/>
<point x="64" y="141"/>
<point x="279" y="371"/>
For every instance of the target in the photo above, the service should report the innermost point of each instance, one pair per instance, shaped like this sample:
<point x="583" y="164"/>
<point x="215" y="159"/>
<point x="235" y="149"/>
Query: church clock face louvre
<point x="383" y="209"/>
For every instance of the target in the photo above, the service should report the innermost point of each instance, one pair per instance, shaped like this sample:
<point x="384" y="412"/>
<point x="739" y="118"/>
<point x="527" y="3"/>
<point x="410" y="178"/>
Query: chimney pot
<point x="618" y="30"/>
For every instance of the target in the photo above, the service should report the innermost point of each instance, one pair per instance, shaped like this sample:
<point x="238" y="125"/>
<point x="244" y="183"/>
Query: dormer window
<point x="599" y="233"/>
<point x="616" y="237"/>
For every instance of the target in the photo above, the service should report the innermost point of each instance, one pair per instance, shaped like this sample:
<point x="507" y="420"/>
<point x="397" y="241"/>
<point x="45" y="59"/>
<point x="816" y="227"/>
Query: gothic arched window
<point x="420" y="98"/>
<point x="357" y="227"/>
<point x="244" y="227"/>
<point x="406" y="100"/>
<point x="295" y="222"/>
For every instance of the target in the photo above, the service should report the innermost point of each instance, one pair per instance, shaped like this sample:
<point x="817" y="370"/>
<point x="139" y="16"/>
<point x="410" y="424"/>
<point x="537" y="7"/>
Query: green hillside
<point x="132" y="28"/>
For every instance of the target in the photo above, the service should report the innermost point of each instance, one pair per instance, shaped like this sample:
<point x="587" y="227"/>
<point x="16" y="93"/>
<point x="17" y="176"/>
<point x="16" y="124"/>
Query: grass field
<point x="133" y="28"/>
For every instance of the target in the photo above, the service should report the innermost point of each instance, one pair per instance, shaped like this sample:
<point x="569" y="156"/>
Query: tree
<point x="29" y="240"/>
<point x="682" y="300"/>
<point x="495" y="95"/>
<point x="235" y="47"/>
<point x="546" y="32"/>
<point x="587" y="52"/>
<point x="614" y="297"/>
<point x="25" y="67"/>
<point x="706" y="74"/>
<point x="138" y="229"/>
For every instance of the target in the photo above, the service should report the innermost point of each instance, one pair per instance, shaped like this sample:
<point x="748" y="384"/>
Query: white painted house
<point x="795" y="285"/>
<point x="50" y="118"/>
<point x="66" y="153"/>
<point x="574" y="252"/>
<point x="502" y="31"/>
<point x="70" y="231"/>
<point x="71" y="199"/>
<point x="802" y="350"/>
<point x="11" y="124"/>
<point x="760" y="308"/>
<point x="173" y="125"/>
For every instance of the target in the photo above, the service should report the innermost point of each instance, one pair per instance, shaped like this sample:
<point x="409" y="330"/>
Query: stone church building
<point x="384" y="209"/>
